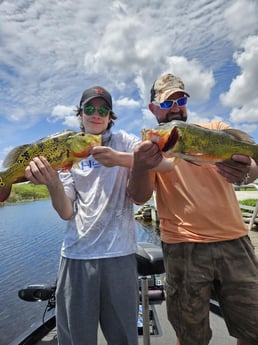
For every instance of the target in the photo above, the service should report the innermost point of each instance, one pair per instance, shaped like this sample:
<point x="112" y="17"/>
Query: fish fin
<point x="239" y="135"/>
<point x="194" y="163"/>
<point x="20" y="179"/>
<point x="13" y="155"/>
<point x="56" y="135"/>
<point x="178" y="159"/>
<point x="4" y="193"/>
<point x="66" y="168"/>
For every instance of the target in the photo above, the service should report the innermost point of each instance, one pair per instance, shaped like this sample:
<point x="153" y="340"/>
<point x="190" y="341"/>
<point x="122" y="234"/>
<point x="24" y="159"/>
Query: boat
<point x="153" y="326"/>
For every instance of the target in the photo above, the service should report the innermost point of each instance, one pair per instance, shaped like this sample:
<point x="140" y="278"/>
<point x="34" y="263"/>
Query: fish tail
<point x="5" y="189"/>
<point x="4" y="193"/>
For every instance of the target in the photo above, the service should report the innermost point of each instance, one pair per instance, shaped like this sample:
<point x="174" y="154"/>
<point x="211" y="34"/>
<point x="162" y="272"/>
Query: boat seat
<point x="149" y="259"/>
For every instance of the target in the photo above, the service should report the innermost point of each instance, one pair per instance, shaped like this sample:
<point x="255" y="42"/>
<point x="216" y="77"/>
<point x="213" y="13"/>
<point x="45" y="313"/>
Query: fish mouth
<point x="172" y="139"/>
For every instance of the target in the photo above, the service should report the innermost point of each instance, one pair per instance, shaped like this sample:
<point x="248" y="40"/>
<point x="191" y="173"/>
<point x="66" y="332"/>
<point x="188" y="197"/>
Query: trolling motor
<point x="37" y="293"/>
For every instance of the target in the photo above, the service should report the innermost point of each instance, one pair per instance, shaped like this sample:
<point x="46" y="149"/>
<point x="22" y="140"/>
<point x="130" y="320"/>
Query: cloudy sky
<point x="50" y="51"/>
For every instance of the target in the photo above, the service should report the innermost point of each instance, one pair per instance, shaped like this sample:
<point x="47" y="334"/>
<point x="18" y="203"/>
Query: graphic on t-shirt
<point x="89" y="163"/>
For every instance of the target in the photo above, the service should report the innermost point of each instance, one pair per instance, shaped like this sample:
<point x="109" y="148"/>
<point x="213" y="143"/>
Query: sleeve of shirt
<point x="130" y="140"/>
<point x="68" y="183"/>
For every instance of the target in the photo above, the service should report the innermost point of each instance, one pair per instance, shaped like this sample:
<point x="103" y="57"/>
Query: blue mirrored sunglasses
<point x="169" y="104"/>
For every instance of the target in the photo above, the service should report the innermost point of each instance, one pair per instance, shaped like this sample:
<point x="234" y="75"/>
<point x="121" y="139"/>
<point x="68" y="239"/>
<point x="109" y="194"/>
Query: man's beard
<point x="174" y="116"/>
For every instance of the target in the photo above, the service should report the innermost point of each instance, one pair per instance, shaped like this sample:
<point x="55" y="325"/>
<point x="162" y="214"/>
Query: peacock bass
<point x="62" y="150"/>
<point x="200" y="145"/>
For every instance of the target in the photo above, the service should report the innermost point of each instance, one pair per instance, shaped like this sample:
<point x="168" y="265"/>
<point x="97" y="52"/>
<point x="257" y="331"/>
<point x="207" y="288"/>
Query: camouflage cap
<point x="165" y="86"/>
<point x="96" y="92"/>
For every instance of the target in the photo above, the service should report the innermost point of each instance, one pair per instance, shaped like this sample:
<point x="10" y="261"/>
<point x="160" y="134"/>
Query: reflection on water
<point x="30" y="240"/>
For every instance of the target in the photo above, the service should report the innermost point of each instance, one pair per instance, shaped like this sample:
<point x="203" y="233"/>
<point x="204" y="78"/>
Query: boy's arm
<point x="39" y="171"/>
<point x="109" y="157"/>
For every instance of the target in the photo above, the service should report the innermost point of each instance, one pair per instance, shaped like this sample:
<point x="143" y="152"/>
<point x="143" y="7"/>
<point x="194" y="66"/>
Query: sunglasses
<point x="90" y="110"/>
<point x="180" y="102"/>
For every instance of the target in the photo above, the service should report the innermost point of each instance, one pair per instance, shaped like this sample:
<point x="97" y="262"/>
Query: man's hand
<point x="235" y="169"/>
<point x="147" y="156"/>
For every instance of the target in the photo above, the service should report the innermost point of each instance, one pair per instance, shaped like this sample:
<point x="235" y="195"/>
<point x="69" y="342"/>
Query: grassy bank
<point x="27" y="192"/>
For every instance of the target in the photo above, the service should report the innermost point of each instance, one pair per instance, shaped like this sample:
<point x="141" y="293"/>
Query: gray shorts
<point x="193" y="270"/>
<point x="97" y="292"/>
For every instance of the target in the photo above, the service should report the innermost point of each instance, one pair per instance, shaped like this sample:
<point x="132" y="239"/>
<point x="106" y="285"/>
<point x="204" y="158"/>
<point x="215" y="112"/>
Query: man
<point x="204" y="240"/>
<point x="97" y="281"/>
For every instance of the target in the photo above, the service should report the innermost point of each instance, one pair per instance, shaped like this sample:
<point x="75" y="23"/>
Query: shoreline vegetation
<point x="26" y="192"/>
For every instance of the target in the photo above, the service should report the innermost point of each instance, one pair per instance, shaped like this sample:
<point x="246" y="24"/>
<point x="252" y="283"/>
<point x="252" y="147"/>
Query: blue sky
<point x="50" y="51"/>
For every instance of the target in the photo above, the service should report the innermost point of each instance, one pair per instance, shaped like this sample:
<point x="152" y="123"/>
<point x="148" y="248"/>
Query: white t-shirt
<point x="103" y="224"/>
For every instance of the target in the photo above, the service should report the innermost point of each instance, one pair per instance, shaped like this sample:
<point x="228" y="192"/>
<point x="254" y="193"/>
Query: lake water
<point x="30" y="240"/>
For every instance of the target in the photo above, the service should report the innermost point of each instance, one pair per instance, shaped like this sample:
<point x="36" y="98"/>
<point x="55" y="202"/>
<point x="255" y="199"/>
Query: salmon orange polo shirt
<point x="196" y="204"/>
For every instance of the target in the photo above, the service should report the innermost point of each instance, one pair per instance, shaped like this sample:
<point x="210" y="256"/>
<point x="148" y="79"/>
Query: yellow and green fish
<point x="200" y="145"/>
<point x="62" y="150"/>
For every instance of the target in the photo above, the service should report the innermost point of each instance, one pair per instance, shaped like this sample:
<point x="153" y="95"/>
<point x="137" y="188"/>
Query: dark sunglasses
<point x="90" y="110"/>
<point x="169" y="104"/>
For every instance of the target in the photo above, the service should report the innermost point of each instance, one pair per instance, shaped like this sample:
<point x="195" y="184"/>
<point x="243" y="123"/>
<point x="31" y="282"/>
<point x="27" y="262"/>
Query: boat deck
<point x="167" y="336"/>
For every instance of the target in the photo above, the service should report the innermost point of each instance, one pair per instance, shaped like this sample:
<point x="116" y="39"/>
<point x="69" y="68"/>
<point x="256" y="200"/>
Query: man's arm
<point x="39" y="171"/>
<point x="147" y="157"/>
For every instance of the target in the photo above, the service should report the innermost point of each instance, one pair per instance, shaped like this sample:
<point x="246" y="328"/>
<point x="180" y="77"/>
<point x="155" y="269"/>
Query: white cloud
<point x="242" y="94"/>
<point x="196" y="117"/>
<point x="52" y="50"/>
<point x="149" y="120"/>
<point x="198" y="80"/>
<point x="248" y="113"/>
<point x="67" y="115"/>
<point x="241" y="20"/>
<point x="128" y="103"/>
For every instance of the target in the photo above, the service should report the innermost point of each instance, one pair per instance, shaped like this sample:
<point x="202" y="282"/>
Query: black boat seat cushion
<point x="149" y="259"/>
